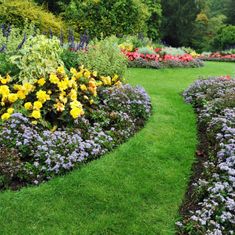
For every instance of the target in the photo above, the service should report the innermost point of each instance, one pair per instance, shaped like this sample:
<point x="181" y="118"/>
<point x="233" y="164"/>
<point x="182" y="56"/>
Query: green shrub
<point x="107" y="17"/>
<point x="16" y="12"/>
<point x="70" y="59"/>
<point x="37" y="58"/>
<point x="173" y="51"/>
<point x="225" y="38"/>
<point x="105" y="57"/>
<point x="146" y="50"/>
<point x="6" y="66"/>
<point x="16" y="36"/>
<point x="138" y="41"/>
<point x="154" y="21"/>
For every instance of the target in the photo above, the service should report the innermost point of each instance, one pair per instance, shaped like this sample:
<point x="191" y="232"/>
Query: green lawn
<point x="137" y="189"/>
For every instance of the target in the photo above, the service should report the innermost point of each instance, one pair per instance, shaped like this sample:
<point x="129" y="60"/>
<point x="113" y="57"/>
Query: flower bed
<point x="213" y="193"/>
<point x="222" y="57"/>
<point x="160" y="60"/>
<point x="54" y="124"/>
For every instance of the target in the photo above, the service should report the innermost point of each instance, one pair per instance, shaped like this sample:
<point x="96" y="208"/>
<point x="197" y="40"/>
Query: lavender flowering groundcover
<point x="32" y="154"/>
<point x="213" y="212"/>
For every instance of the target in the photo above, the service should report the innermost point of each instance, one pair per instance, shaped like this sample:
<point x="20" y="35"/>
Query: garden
<point x="114" y="120"/>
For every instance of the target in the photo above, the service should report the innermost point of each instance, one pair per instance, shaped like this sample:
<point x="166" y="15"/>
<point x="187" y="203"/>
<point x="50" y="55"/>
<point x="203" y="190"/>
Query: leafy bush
<point x="146" y="50"/>
<point x="172" y="51"/>
<point x="225" y="38"/>
<point x="16" y="12"/>
<point x="137" y="41"/>
<point x="104" y="56"/>
<point x="107" y="17"/>
<point x="70" y="59"/>
<point x="37" y="58"/>
<point x="7" y="66"/>
<point x="14" y="38"/>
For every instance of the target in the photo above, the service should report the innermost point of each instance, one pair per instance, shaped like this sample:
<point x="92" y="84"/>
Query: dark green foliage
<point x="154" y="21"/>
<point x="6" y="66"/>
<point x="178" y="20"/>
<point x="70" y="59"/>
<point x="54" y="5"/>
<point x="10" y="165"/>
<point x="105" y="18"/>
<point x="225" y="38"/>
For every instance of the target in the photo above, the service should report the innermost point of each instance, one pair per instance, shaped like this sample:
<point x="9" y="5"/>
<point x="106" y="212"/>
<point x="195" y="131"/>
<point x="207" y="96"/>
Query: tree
<point x="178" y="20"/>
<point x="231" y="12"/>
<point x="56" y="6"/>
<point x="154" y="21"/>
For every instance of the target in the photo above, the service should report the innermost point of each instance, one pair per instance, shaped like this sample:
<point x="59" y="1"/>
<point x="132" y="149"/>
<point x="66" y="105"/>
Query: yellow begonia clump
<point x="76" y="112"/>
<point x="42" y="96"/>
<point x="36" y="114"/>
<point x="53" y="78"/>
<point x="37" y="105"/>
<point x="53" y="94"/>
<point x="28" y="105"/>
<point x="41" y="81"/>
<point x="5" y="116"/>
<point x="12" y="97"/>
<point x="10" y="110"/>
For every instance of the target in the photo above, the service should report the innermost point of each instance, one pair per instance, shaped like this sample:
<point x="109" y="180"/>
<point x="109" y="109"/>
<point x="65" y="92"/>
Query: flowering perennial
<point x="214" y="213"/>
<point x="53" y="97"/>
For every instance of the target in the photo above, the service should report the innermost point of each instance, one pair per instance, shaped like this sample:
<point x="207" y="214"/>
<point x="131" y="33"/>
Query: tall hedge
<point x="225" y="38"/>
<point x="102" y="17"/>
<point x="16" y="12"/>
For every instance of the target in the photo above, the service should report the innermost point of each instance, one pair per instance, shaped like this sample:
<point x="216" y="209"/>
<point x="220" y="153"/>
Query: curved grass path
<point x="136" y="189"/>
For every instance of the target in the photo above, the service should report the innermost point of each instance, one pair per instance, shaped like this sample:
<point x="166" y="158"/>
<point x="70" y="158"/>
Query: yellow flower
<point x="118" y="84"/>
<point x="91" y="101"/>
<point x="10" y="110"/>
<point x="76" y="112"/>
<point x="41" y="81"/>
<point x="115" y="78"/>
<point x="4" y="90"/>
<point x="106" y="80"/>
<point x="28" y="105"/>
<point x="42" y="96"/>
<point x="5" y="80"/>
<point x="49" y="92"/>
<point x="27" y="87"/>
<point x="37" y="105"/>
<point x="63" y="85"/>
<point x="75" y="104"/>
<point x="21" y="95"/>
<point x="73" y="94"/>
<point x="95" y="73"/>
<point x="63" y="98"/>
<point x="73" y="71"/>
<point x="17" y="87"/>
<point x="83" y="87"/>
<point x="12" y="97"/>
<point x="34" y="122"/>
<point x="53" y="78"/>
<point x="36" y="114"/>
<point x="87" y="74"/>
<point x="61" y="70"/>
<point x="5" y="116"/>
<point x="59" y="107"/>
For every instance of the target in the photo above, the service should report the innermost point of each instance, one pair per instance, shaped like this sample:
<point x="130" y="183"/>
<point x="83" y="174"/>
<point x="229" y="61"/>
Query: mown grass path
<point x="137" y="189"/>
